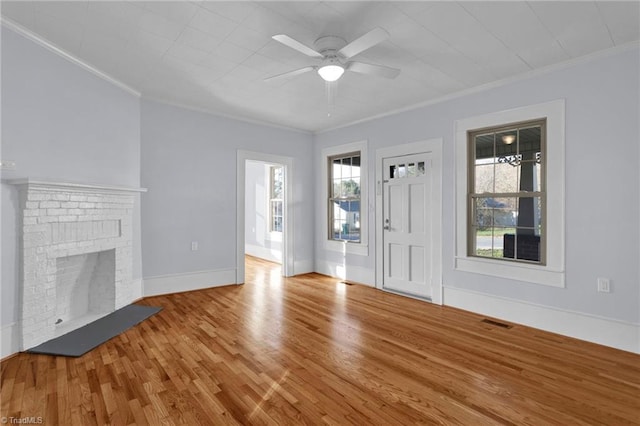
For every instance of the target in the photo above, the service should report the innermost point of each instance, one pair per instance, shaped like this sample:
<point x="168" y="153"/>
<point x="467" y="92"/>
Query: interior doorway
<point x="264" y="210"/>
<point x="264" y="222"/>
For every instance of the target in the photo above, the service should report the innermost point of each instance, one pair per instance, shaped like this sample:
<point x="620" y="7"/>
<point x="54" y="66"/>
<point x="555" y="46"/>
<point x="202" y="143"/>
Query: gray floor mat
<point x="80" y="341"/>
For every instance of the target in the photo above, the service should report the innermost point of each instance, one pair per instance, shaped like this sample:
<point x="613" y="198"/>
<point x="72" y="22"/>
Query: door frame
<point x="433" y="147"/>
<point x="287" y="237"/>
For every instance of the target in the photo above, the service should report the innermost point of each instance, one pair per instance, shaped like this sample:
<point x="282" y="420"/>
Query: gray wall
<point x="60" y="123"/>
<point x="602" y="180"/>
<point x="189" y="166"/>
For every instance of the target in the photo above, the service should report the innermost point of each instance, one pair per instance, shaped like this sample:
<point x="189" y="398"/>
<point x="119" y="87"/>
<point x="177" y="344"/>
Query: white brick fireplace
<point x="76" y="255"/>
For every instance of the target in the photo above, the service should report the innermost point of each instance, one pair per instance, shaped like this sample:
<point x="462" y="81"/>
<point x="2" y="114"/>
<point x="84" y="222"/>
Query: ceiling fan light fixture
<point x="331" y="72"/>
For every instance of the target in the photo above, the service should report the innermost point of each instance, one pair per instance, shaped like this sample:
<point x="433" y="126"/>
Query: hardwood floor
<point x="310" y="350"/>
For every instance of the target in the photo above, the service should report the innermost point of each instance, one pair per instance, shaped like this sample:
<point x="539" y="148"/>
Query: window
<point x="499" y="209"/>
<point x="506" y="192"/>
<point x="275" y="198"/>
<point x="344" y="197"/>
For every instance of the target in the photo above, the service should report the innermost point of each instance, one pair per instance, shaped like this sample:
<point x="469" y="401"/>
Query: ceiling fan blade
<point x="377" y="70"/>
<point x="295" y="44"/>
<point x="290" y="74"/>
<point x="364" y="42"/>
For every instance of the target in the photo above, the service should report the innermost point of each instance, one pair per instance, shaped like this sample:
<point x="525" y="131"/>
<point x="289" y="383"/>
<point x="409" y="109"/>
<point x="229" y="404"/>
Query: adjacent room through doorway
<point x="264" y="210"/>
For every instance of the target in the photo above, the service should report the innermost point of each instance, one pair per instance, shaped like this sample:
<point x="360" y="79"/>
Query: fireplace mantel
<point x="61" y="221"/>
<point x="43" y="183"/>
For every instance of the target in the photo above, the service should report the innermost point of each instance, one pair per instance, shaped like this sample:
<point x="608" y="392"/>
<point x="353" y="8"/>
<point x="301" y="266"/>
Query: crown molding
<point x="496" y="84"/>
<point x="8" y="23"/>
<point x="19" y="29"/>
<point x="224" y="115"/>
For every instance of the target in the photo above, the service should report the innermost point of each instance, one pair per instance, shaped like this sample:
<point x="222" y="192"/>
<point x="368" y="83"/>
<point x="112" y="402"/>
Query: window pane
<point x="484" y="178"/>
<point x="350" y="187"/>
<point x="529" y="216"/>
<point x="355" y="167"/>
<point x="506" y="143"/>
<point x="487" y="244"/>
<point x="337" y="188"/>
<point x="346" y="167"/>
<point x="483" y="217"/>
<point x="484" y="146"/>
<point x="351" y="227"/>
<point x="530" y="140"/>
<point x="277" y="224"/>
<point x="507" y="177"/>
<point x="490" y="212"/>
<point x="346" y="220"/>
<point x="402" y="171"/>
<point x="505" y="211"/>
<point x="336" y="171"/>
<point x="337" y="229"/>
<point x="522" y="246"/>
<point x="529" y="176"/>
<point x="421" y="168"/>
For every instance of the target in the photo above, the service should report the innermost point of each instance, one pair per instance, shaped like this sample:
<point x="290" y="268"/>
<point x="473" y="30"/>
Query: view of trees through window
<point x="344" y="197"/>
<point x="506" y="197"/>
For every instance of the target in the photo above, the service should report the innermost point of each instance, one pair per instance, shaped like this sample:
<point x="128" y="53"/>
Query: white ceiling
<point x="214" y="55"/>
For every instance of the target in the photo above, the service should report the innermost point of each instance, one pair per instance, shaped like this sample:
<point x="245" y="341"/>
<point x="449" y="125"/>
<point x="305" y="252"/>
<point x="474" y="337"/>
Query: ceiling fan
<point x="335" y="54"/>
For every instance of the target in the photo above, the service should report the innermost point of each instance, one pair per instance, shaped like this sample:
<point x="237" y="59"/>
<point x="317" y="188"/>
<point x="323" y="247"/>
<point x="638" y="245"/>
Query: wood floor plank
<point x="311" y="350"/>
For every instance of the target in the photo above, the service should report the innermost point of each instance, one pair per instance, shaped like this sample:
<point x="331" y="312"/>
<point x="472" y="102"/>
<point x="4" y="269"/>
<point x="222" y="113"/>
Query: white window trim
<point x="553" y="273"/>
<point x="361" y="248"/>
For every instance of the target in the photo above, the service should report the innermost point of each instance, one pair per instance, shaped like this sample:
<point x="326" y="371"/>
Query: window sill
<point x="347" y="248"/>
<point x="535" y="274"/>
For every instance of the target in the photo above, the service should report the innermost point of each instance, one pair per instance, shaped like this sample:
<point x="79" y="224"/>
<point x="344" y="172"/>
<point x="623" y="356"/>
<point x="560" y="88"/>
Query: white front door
<point x="407" y="225"/>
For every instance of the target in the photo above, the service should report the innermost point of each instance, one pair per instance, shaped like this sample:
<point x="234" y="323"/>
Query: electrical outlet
<point x="604" y="285"/>
<point x="194" y="245"/>
<point x="7" y="165"/>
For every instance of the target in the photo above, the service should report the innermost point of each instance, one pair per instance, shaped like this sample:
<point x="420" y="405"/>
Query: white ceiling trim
<point x="223" y="115"/>
<point x="498" y="83"/>
<point x="8" y="23"/>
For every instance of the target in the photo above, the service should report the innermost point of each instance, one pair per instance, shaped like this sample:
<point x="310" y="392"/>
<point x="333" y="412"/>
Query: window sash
<point x="332" y="199"/>
<point x="473" y="196"/>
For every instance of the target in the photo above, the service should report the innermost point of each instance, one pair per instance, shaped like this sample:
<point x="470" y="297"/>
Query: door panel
<point x="396" y="207"/>
<point x="416" y="264"/>
<point x="396" y="262"/>
<point x="406" y="248"/>
<point x="416" y="215"/>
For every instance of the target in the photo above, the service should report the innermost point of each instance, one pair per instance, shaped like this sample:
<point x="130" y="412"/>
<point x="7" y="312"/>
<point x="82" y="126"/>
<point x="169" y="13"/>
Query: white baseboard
<point x="355" y="274"/>
<point x="263" y="253"/>
<point x="165" y="284"/>
<point x="10" y="343"/>
<point x="605" y="331"/>
<point x="302" y="267"/>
